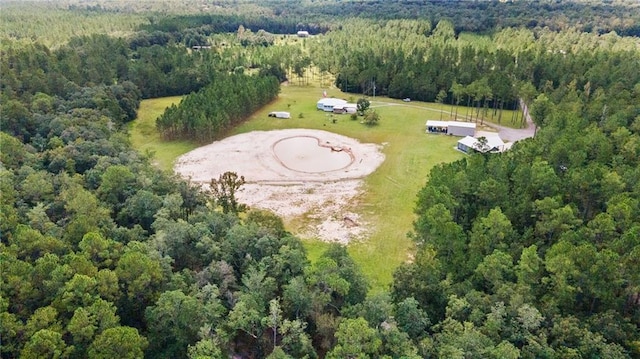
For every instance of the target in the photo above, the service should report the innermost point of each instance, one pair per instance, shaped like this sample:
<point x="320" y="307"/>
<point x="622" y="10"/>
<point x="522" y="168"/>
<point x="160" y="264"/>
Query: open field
<point x="387" y="202"/>
<point x="145" y="138"/>
<point x="390" y="192"/>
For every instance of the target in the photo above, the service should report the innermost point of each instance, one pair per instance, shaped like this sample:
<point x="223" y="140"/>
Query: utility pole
<point x="374" y="88"/>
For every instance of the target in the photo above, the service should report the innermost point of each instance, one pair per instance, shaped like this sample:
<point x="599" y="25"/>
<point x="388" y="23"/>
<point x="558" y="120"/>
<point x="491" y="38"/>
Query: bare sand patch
<point x="311" y="177"/>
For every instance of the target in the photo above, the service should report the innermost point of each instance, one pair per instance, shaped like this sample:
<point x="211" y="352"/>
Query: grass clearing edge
<point x="389" y="193"/>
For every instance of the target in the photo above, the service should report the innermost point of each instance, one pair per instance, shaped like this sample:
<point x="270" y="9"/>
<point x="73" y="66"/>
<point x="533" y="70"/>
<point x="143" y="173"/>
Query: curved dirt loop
<point x="321" y="201"/>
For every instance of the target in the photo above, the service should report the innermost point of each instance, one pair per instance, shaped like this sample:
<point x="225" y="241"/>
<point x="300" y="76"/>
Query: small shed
<point x="303" y="33"/>
<point x="280" y="114"/>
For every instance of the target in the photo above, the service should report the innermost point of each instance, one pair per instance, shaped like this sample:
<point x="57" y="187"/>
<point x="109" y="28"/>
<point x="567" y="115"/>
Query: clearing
<point x="294" y="173"/>
<point x="373" y="211"/>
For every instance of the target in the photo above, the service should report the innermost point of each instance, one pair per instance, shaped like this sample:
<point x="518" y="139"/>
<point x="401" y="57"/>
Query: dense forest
<point x="532" y="253"/>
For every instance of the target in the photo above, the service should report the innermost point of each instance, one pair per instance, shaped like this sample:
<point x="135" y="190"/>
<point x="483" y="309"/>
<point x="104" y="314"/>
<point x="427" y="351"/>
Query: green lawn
<point x="390" y="192"/>
<point x="145" y="138"/>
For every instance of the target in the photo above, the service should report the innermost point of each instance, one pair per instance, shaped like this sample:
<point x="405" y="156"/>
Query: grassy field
<point x="390" y="191"/>
<point x="146" y="139"/>
<point x="389" y="199"/>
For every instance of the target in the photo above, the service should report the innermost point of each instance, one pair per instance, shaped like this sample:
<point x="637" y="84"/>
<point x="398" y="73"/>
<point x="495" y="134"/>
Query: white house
<point x="327" y="104"/>
<point x="467" y="144"/>
<point x="470" y="144"/>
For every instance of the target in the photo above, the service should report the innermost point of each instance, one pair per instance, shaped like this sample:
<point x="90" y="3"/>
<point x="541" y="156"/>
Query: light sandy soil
<point x="309" y="177"/>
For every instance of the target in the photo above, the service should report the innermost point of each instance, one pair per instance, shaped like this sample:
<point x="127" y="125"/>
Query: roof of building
<point x="462" y="124"/>
<point x="432" y="123"/>
<point x="468" y="141"/>
<point x="494" y="142"/>
<point x="329" y="101"/>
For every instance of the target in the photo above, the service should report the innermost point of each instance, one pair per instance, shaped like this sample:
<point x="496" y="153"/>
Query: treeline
<point x="153" y="62"/>
<point x="214" y="24"/>
<point x="142" y="66"/>
<point x="404" y="58"/>
<point x="527" y="246"/>
<point x="101" y="60"/>
<point x="486" y="16"/>
<point x="204" y="115"/>
<point x="52" y="24"/>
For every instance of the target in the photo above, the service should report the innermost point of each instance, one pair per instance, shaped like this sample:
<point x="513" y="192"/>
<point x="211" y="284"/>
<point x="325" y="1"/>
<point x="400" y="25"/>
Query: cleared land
<point x="387" y="200"/>
<point x="294" y="173"/>
<point x="384" y="203"/>
<point x="146" y="139"/>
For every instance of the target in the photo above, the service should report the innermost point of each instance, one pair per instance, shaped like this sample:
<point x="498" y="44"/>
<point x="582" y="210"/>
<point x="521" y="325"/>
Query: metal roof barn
<point x="454" y="128"/>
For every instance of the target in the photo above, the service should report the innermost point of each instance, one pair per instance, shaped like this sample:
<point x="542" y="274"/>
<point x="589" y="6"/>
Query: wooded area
<point x="202" y="116"/>
<point x="532" y="253"/>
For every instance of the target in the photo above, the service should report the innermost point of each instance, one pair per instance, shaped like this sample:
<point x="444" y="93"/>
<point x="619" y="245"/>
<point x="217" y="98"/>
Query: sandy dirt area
<point x="309" y="177"/>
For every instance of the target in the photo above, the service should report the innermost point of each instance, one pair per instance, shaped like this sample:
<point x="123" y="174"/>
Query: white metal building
<point x="280" y="114"/>
<point x="346" y="108"/>
<point x="437" y="126"/>
<point x="350" y="108"/>
<point x="461" y="128"/>
<point x="454" y="128"/>
<point x="327" y="104"/>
